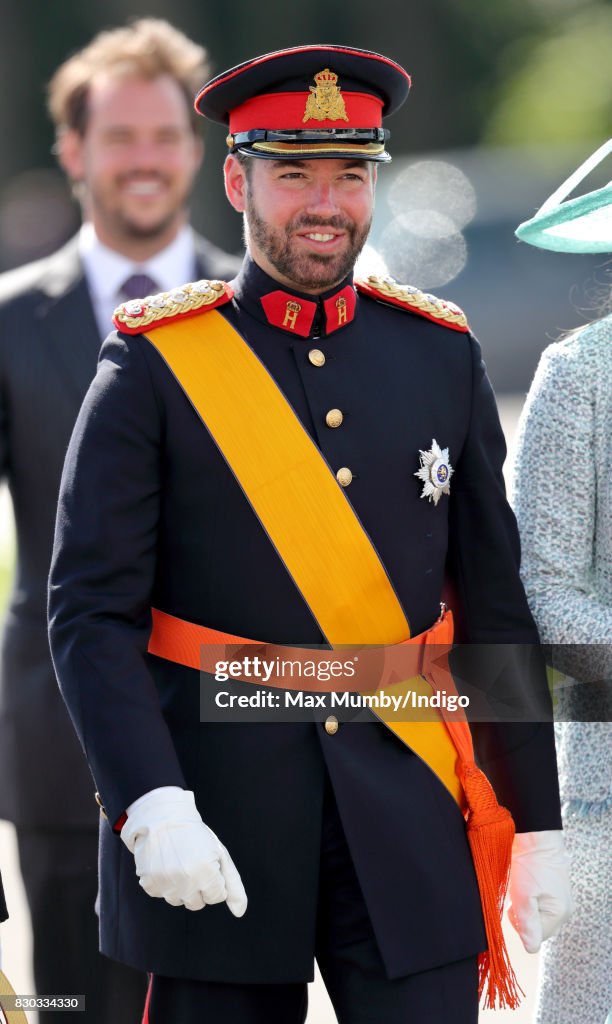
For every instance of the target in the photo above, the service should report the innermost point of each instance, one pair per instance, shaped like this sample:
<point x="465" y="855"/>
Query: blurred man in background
<point x="128" y="141"/>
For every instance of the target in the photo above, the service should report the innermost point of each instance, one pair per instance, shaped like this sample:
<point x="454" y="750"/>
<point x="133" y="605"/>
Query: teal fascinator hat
<point x="583" y="224"/>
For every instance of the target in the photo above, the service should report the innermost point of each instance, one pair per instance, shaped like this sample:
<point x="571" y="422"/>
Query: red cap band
<point x="282" y="111"/>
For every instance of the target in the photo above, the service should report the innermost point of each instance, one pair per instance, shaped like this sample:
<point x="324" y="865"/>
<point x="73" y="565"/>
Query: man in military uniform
<point x="343" y="840"/>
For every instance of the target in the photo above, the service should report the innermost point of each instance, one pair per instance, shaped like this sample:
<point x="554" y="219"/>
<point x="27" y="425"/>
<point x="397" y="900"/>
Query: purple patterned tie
<point x="137" y="286"/>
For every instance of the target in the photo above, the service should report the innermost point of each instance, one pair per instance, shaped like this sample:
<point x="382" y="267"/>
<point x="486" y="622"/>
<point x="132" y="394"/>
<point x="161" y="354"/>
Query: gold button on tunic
<point x="334" y="418"/>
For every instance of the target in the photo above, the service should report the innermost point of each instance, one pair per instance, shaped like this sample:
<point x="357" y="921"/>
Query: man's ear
<point x="69" y="152"/>
<point x="235" y="182"/>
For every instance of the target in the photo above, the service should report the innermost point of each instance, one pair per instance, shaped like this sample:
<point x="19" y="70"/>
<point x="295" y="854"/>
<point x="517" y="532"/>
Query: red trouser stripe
<point x="145" y="1016"/>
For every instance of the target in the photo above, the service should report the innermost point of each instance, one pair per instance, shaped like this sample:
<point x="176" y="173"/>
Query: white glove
<point x="540" y="895"/>
<point x="178" y="858"/>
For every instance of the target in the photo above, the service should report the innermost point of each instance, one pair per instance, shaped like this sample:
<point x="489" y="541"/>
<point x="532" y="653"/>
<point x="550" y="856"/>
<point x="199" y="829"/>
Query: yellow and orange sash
<point x="336" y="568"/>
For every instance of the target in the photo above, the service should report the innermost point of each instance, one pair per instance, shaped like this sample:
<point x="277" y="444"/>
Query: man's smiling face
<point x="306" y="220"/>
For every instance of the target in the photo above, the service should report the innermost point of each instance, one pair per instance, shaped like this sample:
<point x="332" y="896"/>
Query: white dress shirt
<point x="106" y="270"/>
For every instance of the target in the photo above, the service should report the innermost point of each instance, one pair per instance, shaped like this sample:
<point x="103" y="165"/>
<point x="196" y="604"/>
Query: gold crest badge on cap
<point x="325" y="102"/>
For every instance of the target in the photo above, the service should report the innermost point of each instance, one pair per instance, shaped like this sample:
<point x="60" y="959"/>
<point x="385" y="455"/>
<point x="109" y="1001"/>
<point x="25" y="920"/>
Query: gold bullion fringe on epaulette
<point x="416" y="299"/>
<point x="152" y="308"/>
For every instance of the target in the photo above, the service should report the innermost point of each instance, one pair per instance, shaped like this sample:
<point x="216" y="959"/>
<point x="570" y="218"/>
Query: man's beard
<point x="308" y="270"/>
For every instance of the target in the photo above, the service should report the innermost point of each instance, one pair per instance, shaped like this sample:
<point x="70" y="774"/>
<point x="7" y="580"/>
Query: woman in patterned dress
<point x="563" y="501"/>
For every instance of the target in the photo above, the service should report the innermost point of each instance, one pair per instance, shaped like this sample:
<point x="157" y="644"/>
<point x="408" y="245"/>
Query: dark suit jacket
<point x="150" y="514"/>
<point x="49" y="346"/>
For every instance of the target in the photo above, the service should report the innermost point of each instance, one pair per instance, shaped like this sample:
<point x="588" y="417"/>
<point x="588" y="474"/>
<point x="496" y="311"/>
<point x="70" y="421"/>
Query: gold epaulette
<point x="135" y="316"/>
<point x="385" y="289"/>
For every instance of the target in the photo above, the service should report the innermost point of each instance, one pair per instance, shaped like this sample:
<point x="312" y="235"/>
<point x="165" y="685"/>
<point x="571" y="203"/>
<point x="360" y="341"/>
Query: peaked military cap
<point x="307" y="102"/>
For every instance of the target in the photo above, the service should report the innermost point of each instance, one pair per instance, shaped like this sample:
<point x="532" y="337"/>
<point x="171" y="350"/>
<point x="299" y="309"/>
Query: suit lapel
<point x="212" y="262"/>
<point x="67" y="319"/>
<point x="66" y="315"/>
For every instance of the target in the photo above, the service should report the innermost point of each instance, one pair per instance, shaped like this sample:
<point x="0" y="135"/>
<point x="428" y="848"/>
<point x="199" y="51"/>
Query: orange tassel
<point x="490" y="830"/>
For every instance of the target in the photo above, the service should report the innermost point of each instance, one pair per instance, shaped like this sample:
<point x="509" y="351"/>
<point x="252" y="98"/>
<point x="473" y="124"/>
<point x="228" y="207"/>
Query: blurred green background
<point x="508" y="72"/>
<point x="512" y="93"/>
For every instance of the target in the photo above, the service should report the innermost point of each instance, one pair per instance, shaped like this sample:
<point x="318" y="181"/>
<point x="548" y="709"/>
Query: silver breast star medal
<point x="435" y="472"/>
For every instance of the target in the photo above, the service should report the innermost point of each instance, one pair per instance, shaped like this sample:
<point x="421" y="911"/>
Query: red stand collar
<point x="295" y="314"/>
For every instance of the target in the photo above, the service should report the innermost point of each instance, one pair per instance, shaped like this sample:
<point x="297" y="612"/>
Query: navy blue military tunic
<point x="150" y="514"/>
